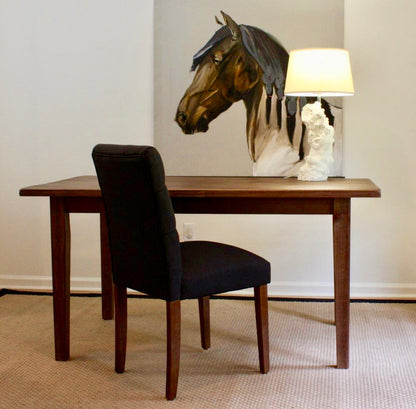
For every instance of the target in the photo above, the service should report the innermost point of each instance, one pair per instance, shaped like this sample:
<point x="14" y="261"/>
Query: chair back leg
<point x="204" y="321"/>
<point x="262" y="323"/>
<point x="173" y="315"/>
<point x="120" y="301"/>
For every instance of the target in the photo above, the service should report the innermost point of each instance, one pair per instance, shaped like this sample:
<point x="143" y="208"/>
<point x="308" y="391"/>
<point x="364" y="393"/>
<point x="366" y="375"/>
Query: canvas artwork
<point x="225" y="113"/>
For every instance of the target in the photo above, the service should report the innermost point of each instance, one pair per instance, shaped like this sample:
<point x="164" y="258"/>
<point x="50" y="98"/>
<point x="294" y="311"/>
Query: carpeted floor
<point x="382" y="370"/>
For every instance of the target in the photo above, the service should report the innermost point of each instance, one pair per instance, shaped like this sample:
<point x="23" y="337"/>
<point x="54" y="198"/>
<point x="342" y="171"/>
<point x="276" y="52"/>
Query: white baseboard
<point x="44" y="283"/>
<point x="358" y="290"/>
<point x="289" y="289"/>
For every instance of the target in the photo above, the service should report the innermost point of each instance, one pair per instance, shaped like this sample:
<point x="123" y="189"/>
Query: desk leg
<point x="106" y="274"/>
<point x="61" y="242"/>
<point x="341" y="236"/>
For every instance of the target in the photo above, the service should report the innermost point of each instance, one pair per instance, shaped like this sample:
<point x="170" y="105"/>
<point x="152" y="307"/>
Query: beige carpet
<point x="382" y="371"/>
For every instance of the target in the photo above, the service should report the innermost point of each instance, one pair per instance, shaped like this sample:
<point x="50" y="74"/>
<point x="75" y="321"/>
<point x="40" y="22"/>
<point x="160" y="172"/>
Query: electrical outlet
<point x="188" y="231"/>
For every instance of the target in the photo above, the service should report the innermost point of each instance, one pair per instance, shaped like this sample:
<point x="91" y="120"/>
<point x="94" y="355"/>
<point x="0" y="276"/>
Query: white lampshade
<point x="319" y="72"/>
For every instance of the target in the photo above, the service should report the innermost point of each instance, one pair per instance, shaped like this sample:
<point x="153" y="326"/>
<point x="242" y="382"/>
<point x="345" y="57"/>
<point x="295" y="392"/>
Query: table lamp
<point x="318" y="72"/>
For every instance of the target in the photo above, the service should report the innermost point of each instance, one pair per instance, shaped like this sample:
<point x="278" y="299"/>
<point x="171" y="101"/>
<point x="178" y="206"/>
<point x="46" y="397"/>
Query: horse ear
<point x="217" y="20"/>
<point x="232" y="25"/>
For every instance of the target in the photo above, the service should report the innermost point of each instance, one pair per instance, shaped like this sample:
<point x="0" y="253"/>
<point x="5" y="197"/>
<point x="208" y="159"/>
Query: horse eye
<point x="217" y="59"/>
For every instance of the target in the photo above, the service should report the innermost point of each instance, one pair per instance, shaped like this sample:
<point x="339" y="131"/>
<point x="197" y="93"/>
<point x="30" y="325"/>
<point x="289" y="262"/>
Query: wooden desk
<point x="214" y="195"/>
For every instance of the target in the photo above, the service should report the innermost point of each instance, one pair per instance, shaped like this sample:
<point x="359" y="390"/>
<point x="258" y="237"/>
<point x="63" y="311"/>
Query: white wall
<point x="72" y="74"/>
<point x="76" y="73"/>
<point x="380" y="141"/>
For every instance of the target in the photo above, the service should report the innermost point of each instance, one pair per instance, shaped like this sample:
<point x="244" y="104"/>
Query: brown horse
<point x="242" y="62"/>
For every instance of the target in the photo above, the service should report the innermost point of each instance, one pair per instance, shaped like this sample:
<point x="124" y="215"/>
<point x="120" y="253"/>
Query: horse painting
<point x="242" y="62"/>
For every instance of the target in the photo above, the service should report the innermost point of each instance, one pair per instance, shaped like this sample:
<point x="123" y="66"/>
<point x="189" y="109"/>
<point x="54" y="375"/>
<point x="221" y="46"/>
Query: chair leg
<point x="120" y="298"/>
<point x="173" y="315"/>
<point x="262" y="323"/>
<point x="203" y="304"/>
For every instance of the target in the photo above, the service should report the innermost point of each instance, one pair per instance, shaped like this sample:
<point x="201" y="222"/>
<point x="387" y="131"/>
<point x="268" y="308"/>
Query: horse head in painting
<point x="242" y="62"/>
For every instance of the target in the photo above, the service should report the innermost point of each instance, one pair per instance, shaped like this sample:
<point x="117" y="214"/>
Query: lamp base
<point x="321" y="138"/>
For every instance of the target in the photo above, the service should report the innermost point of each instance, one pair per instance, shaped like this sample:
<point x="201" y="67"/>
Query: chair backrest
<point x="144" y="243"/>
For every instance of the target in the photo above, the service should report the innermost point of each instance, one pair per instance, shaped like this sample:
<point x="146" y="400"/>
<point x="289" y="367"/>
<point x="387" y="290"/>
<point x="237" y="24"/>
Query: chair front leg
<point x="204" y="321"/>
<point x="173" y="315"/>
<point x="120" y="298"/>
<point x="262" y="323"/>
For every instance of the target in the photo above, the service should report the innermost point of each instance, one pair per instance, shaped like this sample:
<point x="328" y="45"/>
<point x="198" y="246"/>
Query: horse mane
<point x="264" y="48"/>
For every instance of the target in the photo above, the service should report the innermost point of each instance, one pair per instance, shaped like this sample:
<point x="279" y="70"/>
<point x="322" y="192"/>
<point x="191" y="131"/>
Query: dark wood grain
<point x="211" y="186"/>
<point x="251" y="205"/>
<point x="262" y="325"/>
<point x="204" y="321"/>
<point x="61" y="242"/>
<point x="78" y="186"/>
<point x="228" y="186"/>
<point x="341" y="245"/>
<point x="173" y="314"/>
<point x="120" y="295"/>
<point x="207" y="194"/>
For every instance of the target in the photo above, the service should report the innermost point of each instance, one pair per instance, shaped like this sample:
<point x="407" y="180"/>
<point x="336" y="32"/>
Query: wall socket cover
<point x="188" y="231"/>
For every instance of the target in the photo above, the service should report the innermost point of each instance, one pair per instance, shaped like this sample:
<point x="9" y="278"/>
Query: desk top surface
<point x="222" y="186"/>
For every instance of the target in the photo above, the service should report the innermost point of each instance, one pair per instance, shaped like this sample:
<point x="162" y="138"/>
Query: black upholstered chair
<point x="148" y="257"/>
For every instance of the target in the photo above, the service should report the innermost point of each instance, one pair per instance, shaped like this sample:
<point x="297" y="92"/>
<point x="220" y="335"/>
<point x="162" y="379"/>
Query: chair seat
<point x="211" y="268"/>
